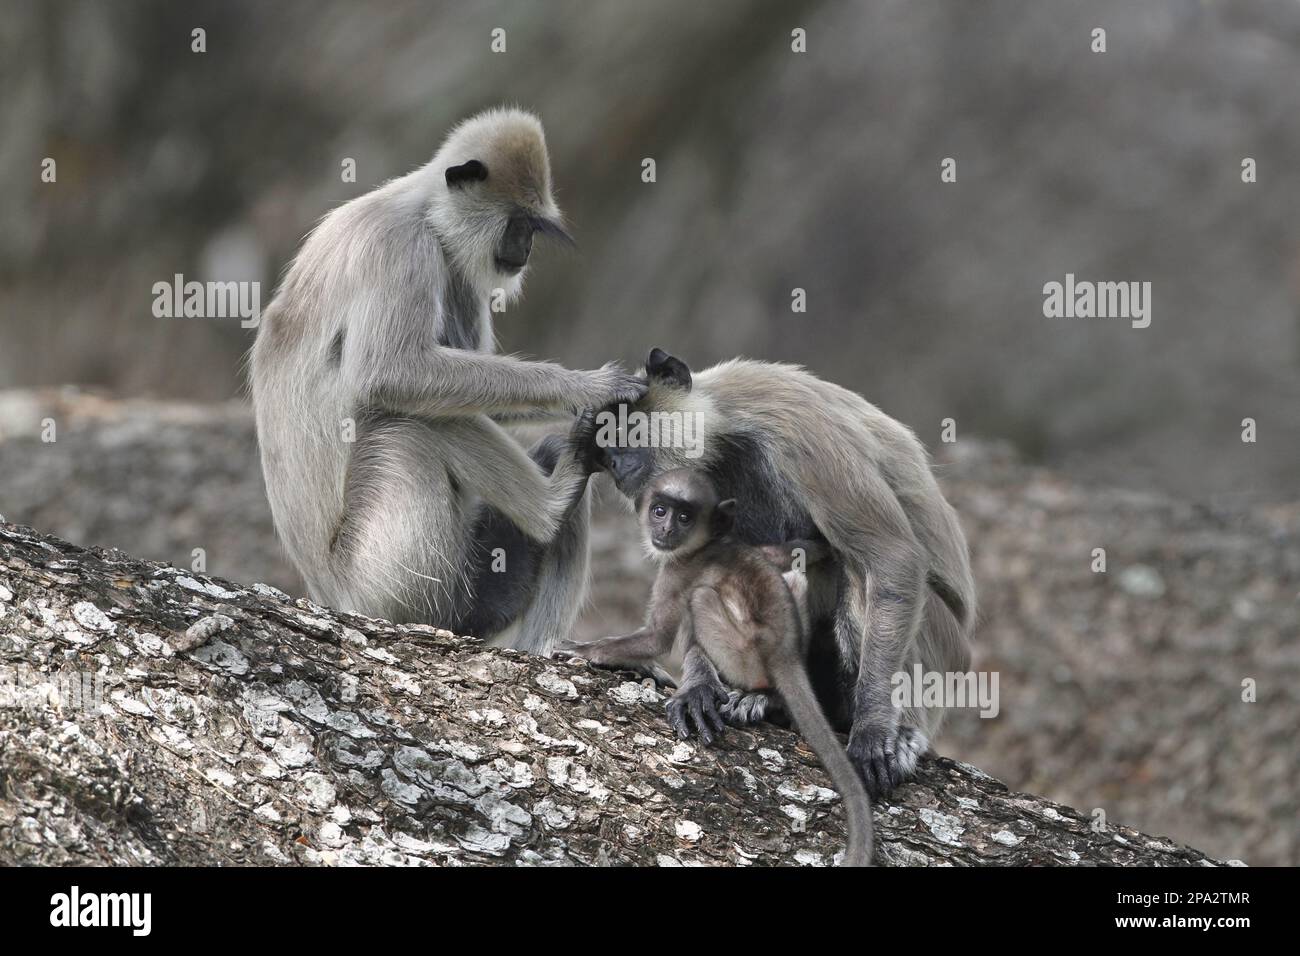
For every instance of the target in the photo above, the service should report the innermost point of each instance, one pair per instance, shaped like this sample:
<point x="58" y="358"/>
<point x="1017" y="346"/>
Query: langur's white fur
<point x="381" y="331"/>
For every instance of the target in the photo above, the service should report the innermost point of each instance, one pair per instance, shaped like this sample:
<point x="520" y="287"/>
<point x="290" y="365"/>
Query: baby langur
<point x="726" y="600"/>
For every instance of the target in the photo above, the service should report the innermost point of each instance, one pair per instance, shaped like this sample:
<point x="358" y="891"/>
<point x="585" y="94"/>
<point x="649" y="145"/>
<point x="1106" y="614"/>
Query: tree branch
<point x="148" y="715"/>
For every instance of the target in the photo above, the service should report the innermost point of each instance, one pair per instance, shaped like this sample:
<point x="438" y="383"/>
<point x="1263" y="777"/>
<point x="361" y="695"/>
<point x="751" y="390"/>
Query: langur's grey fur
<point x="381" y="331"/>
<point x="808" y="459"/>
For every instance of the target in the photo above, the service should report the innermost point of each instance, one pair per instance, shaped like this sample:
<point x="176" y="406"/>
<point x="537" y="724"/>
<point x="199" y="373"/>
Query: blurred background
<point x="775" y="170"/>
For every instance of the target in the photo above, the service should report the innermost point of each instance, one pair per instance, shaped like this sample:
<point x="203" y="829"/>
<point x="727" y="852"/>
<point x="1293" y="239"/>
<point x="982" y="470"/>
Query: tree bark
<point x="153" y="716"/>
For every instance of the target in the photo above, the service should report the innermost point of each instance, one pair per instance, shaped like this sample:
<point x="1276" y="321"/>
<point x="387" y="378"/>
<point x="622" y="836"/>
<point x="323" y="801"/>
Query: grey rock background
<point x="775" y="171"/>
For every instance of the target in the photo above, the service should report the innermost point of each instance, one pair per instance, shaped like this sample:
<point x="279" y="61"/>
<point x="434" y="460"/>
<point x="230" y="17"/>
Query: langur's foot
<point x="743" y="709"/>
<point x="885" y="758"/>
<point x="700" y="705"/>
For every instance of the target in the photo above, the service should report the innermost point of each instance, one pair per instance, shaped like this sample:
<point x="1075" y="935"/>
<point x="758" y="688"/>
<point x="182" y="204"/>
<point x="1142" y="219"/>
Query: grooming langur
<point x="725" y="601"/>
<point x="806" y="459"/>
<point x="394" y="488"/>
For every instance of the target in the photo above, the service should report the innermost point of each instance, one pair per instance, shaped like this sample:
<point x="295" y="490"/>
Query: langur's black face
<point x="671" y="523"/>
<point x="481" y="190"/>
<point x="633" y="467"/>
<point x="516" y="245"/>
<point x="678" y="511"/>
<point x="630" y="468"/>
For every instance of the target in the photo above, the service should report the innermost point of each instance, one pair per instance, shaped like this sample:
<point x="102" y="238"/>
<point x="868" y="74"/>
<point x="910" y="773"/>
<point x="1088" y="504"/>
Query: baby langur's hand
<point x="594" y="654"/>
<point x="581" y="649"/>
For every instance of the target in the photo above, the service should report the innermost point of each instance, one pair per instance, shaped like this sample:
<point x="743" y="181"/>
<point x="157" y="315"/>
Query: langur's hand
<point x="611" y="384"/>
<point x="582" y="441"/>
<point x="594" y="653"/>
<point x="572" y="648"/>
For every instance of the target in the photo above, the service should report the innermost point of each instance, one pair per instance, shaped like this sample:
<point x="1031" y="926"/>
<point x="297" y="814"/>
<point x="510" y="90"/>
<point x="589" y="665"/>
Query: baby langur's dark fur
<point x="728" y="601"/>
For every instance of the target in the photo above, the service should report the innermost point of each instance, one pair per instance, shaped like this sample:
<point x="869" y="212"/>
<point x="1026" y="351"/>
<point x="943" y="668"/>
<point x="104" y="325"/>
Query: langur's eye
<point x="684" y="517"/>
<point x="659" y="511"/>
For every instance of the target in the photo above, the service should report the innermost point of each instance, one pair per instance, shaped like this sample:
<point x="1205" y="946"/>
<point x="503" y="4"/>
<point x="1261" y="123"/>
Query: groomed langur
<point x="806" y="459"/>
<point x="380" y="403"/>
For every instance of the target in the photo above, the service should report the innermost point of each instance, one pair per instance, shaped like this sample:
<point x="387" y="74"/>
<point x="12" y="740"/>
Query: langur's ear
<point x="470" y="172"/>
<point x="668" y="369"/>
<point x="724" y="515"/>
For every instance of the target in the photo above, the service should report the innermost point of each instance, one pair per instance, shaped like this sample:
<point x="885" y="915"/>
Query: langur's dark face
<point x="633" y="467"/>
<point x="516" y="245"/>
<point x="524" y="218"/>
<point x="677" y="511"/>
<point x="672" y="523"/>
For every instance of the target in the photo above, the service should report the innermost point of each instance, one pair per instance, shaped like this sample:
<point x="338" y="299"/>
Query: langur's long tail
<point x="792" y="681"/>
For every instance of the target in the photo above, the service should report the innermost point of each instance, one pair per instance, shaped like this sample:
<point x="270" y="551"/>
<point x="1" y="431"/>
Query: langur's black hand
<point x="703" y="703"/>
<point x="582" y="439"/>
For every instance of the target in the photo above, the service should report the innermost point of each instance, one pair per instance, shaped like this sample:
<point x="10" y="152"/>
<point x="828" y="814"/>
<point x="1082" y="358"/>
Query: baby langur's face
<point x="676" y="512"/>
<point x="671" y="524"/>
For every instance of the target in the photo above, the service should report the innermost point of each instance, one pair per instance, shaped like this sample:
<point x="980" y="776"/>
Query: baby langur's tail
<point x="791" y="679"/>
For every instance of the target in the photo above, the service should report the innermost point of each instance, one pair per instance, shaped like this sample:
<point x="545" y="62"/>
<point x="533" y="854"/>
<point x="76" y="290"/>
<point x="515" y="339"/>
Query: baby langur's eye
<point x="684" y="517"/>
<point x="659" y="511"/>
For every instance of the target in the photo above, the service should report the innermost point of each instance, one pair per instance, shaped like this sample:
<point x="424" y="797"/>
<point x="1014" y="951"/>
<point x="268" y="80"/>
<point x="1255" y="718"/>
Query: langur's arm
<point x="626" y="650"/>
<point x="531" y="416"/>
<point x="436" y="382"/>
<point x="880" y="609"/>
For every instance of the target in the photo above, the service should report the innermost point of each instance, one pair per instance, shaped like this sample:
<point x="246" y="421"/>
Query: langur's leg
<point x="941" y="647"/>
<point x="701" y="697"/>
<point x="561" y="574"/>
<point x="885" y="608"/>
<point x="400" y="549"/>
<point x="495" y="466"/>
<point x="751" y="707"/>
